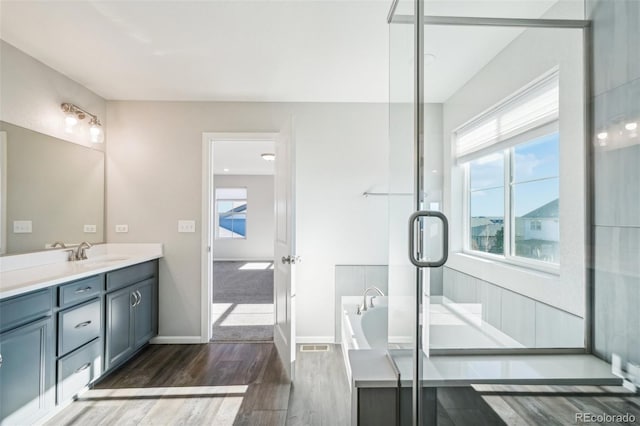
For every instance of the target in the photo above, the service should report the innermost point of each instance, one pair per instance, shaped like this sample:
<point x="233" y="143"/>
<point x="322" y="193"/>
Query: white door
<point x="285" y="256"/>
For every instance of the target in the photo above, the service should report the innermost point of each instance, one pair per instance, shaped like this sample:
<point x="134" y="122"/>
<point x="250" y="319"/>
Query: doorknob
<point x="291" y="260"/>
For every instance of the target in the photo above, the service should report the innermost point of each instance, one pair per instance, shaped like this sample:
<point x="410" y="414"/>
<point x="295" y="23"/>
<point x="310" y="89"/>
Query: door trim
<point x="206" y="241"/>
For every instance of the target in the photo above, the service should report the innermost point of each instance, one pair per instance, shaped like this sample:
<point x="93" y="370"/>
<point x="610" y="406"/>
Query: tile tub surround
<point x="28" y="272"/>
<point x="528" y="321"/>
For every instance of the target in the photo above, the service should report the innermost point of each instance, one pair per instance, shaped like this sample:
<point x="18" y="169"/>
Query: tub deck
<point x="373" y="368"/>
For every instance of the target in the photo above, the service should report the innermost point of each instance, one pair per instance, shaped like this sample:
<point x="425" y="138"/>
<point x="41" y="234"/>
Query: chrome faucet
<point x="81" y="250"/>
<point x="58" y="244"/>
<point x="362" y="308"/>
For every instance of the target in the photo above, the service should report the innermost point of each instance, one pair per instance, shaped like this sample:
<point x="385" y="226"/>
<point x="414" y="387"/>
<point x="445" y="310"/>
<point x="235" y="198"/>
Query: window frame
<point x="509" y="214"/>
<point x="217" y="212"/>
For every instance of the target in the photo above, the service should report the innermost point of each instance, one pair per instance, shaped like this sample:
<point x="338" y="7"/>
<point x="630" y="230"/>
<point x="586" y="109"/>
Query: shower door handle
<point x="413" y="219"/>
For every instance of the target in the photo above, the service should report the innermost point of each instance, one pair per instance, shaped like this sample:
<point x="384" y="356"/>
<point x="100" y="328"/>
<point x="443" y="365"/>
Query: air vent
<point x="314" y="348"/>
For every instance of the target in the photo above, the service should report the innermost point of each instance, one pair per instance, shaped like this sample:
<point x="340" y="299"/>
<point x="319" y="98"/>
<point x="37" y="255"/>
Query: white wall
<point x="31" y="94"/>
<point x="259" y="241"/>
<point x="528" y="57"/>
<point x="154" y="179"/>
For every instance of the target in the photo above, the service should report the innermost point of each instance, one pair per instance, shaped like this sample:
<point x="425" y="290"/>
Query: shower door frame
<point x="418" y="114"/>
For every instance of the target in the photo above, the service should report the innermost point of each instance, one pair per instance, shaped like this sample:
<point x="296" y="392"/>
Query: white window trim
<point x="217" y="213"/>
<point x="509" y="243"/>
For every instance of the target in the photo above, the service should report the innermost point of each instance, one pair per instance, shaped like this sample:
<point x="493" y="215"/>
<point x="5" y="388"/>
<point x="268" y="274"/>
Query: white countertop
<point x="28" y="272"/>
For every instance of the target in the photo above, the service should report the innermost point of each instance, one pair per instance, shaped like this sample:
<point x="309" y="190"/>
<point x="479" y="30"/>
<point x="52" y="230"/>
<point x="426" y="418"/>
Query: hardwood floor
<point x="320" y="394"/>
<point x="214" y="384"/>
<point x="244" y="384"/>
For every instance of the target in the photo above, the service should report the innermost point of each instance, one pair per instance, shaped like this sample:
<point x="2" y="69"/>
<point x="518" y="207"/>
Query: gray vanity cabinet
<point x="131" y="311"/>
<point x="55" y="341"/>
<point x="144" y="313"/>
<point x="119" y="339"/>
<point x="27" y="368"/>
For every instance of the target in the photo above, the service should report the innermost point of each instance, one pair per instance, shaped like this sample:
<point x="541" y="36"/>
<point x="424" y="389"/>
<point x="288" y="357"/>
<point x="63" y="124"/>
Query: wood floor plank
<point x="245" y="385"/>
<point x="320" y="394"/>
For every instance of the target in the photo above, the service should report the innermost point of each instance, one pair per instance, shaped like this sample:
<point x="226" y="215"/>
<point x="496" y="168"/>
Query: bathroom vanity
<point x="64" y="325"/>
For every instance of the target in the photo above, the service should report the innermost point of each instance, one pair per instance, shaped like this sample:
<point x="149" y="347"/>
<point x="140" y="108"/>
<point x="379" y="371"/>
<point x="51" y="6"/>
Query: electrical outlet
<point x="186" y="226"/>
<point x="22" y="227"/>
<point x="122" y="228"/>
<point x="90" y="229"/>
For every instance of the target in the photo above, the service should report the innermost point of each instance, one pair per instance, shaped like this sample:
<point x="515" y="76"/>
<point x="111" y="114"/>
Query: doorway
<point x="241" y="225"/>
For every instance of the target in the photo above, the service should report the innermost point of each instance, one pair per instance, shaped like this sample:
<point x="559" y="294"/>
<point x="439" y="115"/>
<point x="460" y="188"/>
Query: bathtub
<point x="369" y="330"/>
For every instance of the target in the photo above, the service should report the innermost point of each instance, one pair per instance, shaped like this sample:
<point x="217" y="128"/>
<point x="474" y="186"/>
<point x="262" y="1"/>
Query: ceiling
<point x="265" y="50"/>
<point x="242" y="157"/>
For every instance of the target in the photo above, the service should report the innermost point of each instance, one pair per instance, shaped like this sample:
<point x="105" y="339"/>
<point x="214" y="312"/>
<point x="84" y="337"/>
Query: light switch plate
<point x="122" y="228"/>
<point x="186" y="226"/>
<point x="90" y="229"/>
<point x="22" y="227"/>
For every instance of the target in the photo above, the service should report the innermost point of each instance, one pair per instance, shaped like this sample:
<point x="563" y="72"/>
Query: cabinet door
<point x="119" y="328"/>
<point x="27" y="373"/>
<point x="144" y="312"/>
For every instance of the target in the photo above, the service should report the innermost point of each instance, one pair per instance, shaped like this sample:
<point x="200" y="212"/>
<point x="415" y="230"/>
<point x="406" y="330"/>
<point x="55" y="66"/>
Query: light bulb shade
<point x="70" y="120"/>
<point x="95" y="133"/>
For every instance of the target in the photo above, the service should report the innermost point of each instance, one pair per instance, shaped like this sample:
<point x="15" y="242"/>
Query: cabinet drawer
<point x="130" y="275"/>
<point x="78" y="369"/>
<point x="78" y="291"/>
<point x="22" y="309"/>
<point x="78" y="325"/>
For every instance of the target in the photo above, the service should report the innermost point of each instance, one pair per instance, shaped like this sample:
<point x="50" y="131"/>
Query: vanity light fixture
<point x="74" y="114"/>
<point x="268" y="156"/>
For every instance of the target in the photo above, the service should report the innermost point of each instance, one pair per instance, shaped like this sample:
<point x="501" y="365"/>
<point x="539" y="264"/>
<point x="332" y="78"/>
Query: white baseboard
<point x="315" y="339"/>
<point x="175" y="340"/>
<point x="256" y="259"/>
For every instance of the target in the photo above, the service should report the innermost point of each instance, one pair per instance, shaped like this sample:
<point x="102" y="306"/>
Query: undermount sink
<point x="102" y="260"/>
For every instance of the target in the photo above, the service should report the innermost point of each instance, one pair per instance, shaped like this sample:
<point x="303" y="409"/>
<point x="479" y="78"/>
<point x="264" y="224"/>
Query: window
<point x="511" y="159"/>
<point x="231" y="213"/>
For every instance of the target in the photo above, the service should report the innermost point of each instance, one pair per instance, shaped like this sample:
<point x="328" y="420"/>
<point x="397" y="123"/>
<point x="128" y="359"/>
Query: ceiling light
<point x="603" y="135"/>
<point x="268" y="156"/>
<point x="75" y="114"/>
<point x="225" y="170"/>
<point x="631" y="126"/>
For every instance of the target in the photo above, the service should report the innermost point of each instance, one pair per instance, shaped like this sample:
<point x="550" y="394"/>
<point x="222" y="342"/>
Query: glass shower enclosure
<point x="489" y="185"/>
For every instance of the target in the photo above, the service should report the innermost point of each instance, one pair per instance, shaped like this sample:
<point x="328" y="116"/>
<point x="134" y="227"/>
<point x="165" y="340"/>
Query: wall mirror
<point x="50" y="190"/>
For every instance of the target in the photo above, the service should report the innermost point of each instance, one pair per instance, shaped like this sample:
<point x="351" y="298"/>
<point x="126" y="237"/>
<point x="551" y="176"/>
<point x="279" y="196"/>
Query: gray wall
<point x="259" y="243"/>
<point x="154" y="178"/>
<point x="616" y="79"/>
<point x="32" y="93"/>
